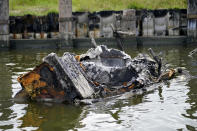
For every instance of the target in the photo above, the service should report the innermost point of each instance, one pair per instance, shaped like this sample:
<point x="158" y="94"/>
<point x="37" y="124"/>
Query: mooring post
<point x="65" y="19"/>
<point x="192" y="19"/>
<point x="4" y="23"/>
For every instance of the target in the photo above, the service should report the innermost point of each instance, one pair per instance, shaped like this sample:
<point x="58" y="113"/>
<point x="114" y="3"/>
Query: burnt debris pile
<point x="99" y="73"/>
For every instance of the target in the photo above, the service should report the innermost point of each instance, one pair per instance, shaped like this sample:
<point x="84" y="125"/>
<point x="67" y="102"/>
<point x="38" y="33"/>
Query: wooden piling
<point x="173" y="18"/>
<point x="148" y="24"/>
<point x="192" y="18"/>
<point x="65" y="19"/>
<point x="4" y="23"/>
<point x="128" y="22"/>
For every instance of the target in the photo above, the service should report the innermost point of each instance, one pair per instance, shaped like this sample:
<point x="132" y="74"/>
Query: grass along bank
<point x="43" y="7"/>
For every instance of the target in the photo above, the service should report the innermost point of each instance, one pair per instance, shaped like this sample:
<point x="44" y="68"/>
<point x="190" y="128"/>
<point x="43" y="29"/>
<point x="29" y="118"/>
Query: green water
<point x="172" y="106"/>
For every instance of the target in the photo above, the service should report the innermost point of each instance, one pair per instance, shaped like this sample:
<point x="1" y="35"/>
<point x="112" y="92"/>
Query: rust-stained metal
<point x="77" y="57"/>
<point x="37" y="85"/>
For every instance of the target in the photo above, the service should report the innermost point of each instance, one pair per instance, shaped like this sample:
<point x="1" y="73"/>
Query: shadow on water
<point x="172" y="106"/>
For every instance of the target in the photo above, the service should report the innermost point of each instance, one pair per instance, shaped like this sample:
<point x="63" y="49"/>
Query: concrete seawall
<point x="110" y="42"/>
<point x="147" y="26"/>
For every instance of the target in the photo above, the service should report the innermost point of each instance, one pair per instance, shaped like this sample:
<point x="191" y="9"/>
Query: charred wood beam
<point x="118" y="35"/>
<point x="68" y="71"/>
<point x="157" y="59"/>
<point x="93" y="42"/>
<point x="192" y="52"/>
<point x="118" y="38"/>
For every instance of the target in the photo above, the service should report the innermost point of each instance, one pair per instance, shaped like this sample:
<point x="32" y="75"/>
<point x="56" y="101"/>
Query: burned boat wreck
<point x="99" y="73"/>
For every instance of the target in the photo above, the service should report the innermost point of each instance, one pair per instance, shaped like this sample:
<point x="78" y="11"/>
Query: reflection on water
<point x="50" y="116"/>
<point x="172" y="106"/>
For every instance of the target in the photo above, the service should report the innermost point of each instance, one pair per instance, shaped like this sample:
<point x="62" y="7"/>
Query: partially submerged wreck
<point x="100" y="72"/>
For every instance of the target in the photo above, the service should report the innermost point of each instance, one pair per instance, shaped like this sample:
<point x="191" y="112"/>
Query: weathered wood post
<point x="4" y="23"/>
<point x="65" y="19"/>
<point x="192" y="18"/>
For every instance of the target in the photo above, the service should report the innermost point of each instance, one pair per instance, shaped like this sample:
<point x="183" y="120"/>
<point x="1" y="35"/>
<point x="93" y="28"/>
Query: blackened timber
<point x="118" y="38"/>
<point x="157" y="59"/>
<point x="69" y="73"/>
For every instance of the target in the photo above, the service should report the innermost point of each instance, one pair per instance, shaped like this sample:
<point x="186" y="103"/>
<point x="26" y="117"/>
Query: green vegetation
<point x="42" y="7"/>
<point x="35" y="7"/>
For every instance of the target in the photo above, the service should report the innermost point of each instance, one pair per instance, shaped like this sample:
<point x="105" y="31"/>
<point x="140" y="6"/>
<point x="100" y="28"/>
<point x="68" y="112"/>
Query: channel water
<point x="171" y="106"/>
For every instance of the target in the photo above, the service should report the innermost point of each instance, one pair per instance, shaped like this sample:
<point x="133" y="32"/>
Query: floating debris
<point x="191" y="53"/>
<point x="99" y="73"/>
